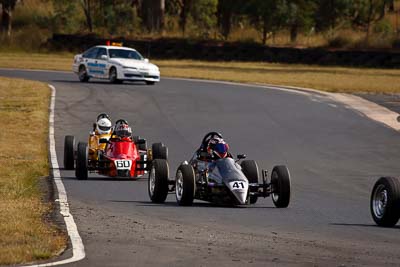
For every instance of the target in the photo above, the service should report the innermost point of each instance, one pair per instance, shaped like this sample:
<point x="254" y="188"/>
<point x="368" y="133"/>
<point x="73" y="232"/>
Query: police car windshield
<point x="123" y="53"/>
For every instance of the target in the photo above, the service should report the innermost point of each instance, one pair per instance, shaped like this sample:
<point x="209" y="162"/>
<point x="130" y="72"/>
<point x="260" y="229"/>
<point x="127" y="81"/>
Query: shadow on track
<point x="138" y="83"/>
<point x="195" y="205"/>
<point x="110" y="179"/>
<point x="364" y="225"/>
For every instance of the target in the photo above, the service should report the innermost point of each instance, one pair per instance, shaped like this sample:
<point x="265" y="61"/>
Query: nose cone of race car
<point x="240" y="196"/>
<point x="239" y="189"/>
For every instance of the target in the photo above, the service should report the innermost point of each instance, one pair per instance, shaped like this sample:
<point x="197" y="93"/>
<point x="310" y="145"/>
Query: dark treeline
<point x="213" y="19"/>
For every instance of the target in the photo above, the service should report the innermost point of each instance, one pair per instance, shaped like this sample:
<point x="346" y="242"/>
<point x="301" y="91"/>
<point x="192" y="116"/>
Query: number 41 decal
<point x="238" y="185"/>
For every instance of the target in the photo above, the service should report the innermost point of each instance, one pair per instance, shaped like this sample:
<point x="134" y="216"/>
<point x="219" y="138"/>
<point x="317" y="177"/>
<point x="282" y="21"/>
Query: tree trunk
<point x="293" y="32"/>
<point x="265" y="31"/>
<point x="6" y="16"/>
<point x="185" y="6"/>
<point x="224" y="15"/>
<point x="88" y="15"/>
<point x="153" y="14"/>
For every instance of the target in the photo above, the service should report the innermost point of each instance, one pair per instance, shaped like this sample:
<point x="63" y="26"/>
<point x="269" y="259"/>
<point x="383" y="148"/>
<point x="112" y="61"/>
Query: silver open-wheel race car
<point x="222" y="181"/>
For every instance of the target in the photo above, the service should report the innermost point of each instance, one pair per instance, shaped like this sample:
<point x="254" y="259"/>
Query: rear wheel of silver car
<point x="83" y="76"/>
<point x="385" y="201"/>
<point x="81" y="169"/>
<point x="185" y="185"/>
<point x="150" y="82"/>
<point x="113" y="76"/>
<point x="158" y="181"/>
<point x="69" y="146"/>
<point x="280" y="182"/>
<point x="250" y="170"/>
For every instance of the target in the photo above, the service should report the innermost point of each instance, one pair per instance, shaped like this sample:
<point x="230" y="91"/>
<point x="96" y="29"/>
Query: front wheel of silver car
<point x="185" y="185"/>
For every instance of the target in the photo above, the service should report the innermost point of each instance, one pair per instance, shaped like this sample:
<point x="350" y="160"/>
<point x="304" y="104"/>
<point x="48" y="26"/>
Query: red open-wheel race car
<point x="122" y="156"/>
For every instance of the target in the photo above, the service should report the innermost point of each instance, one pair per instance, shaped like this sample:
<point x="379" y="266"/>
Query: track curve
<point x="333" y="153"/>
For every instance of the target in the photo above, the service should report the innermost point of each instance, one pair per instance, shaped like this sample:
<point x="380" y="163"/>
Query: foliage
<point x="207" y="19"/>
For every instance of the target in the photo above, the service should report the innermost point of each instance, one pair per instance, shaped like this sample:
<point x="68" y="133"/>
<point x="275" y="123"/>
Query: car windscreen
<point x="123" y="53"/>
<point x="229" y="170"/>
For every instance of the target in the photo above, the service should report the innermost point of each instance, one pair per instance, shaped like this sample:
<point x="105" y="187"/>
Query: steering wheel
<point x="209" y="136"/>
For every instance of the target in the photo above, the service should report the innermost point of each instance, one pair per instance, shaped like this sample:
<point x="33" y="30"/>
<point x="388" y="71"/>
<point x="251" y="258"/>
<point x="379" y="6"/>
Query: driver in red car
<point x="122" y="130"/>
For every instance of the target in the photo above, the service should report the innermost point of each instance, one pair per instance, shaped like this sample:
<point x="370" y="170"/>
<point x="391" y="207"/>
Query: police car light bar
<point x="113" y="43"/>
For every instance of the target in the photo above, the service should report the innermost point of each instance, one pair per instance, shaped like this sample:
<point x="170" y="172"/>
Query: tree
<point x="266" y="16"/>
<point x="153" y="12"/>
<point x="367" y="12"/>
<point x="226" y="9"/>
<point x="330" y="13"/>
<point x="203" y="14"/>
<point x="299" y="15"/>
<point x="87" y="9"/>
<point x="8" y="7"/>
<point x="184" y="10"/>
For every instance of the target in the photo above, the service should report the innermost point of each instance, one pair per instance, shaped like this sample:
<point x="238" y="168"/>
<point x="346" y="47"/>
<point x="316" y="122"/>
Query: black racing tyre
<point x="143" y="146"/>
<point x="113" y="76"/>
<point x="150" y="82"/>
<point x="385" y="201"/>
<point x="160" y="151"/>
<point x="69" y="146"/>
<point x="280" y="182"/>
<point x="158" y="181"/>
<point x="185" y="185"/>
<point x="81" y="169"/>
<point x="135" y="138"/>
<point x="250" y="170"/>
<point x="83" y="76"/>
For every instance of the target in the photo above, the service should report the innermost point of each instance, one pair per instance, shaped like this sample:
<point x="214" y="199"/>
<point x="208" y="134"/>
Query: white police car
<point x="115" y="63"/>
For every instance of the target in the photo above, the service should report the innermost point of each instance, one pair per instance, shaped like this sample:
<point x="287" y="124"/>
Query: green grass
<point x="26" y="231"/>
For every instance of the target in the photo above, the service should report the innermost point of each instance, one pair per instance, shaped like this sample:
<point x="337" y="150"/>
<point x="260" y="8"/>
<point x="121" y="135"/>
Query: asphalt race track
<point x="334" y="155"/>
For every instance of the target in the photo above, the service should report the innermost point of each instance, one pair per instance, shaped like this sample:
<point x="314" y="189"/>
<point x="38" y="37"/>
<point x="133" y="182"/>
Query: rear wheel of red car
<point x="81" y="169"/>
<point x="83" y="76"/>
<point x="69" y="146"/>
<point x="185" y="185"/>
<point x="250" y="170"/>
<point x="143" y="145"/>
<point x="160" y="151"/>
<point x="113" y="76"/>
<point x="158" y="181"/>
<point x="385" y="201"/>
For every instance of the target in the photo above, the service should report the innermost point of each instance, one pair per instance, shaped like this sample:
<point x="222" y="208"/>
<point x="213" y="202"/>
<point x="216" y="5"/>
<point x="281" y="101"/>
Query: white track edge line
<point x="78" y="250"/>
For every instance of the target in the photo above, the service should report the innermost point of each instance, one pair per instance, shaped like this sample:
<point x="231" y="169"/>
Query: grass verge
<point x="26" y="232"/>
<point x="332" y="79"/>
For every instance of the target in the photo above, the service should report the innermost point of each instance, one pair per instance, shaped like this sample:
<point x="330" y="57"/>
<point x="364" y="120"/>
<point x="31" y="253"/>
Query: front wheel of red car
<point x="158" y="181"/>
<point x="81" y="168"/>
